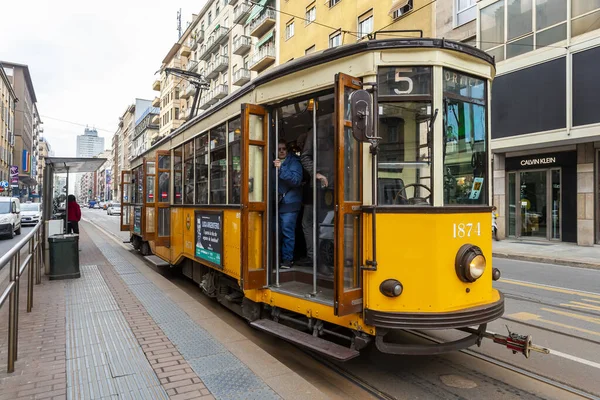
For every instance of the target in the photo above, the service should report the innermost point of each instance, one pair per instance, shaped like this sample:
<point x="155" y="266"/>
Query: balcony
<point x="220" y="64"/>
<point x="197" y="40"/>
<point x="232" y="2"/>
<point x="265" y="21"/>
<point x="156" y="102"/>
<point x="242" y="45"/>
<point x="204" y="102"/>
<point x="185" y="51"/>
<point x="155" y="120"/>
<point x="218" y="36"/>
<point x="188" y="92"/>
<point x="220" y="91"/>
<point x="156" y="85"/>
<point x="241" y="77"/>
<point x="240" y="12"/>
<point x="262" y="58"/>
<point x="193" y="66"/>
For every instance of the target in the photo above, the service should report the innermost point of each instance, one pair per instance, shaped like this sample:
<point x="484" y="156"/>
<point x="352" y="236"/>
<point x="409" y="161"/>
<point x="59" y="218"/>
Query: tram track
<point x="503" y="364"/>
<point x="509" y="295"/>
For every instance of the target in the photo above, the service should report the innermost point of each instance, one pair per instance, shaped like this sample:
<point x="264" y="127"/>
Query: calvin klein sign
<point x="541" y="161"/>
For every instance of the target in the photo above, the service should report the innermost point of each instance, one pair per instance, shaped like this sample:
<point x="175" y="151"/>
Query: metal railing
<point x="33" y="263"/>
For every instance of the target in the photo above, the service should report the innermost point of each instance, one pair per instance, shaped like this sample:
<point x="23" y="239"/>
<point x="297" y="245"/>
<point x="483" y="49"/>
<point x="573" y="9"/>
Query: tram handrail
<point x="33" y="262"/>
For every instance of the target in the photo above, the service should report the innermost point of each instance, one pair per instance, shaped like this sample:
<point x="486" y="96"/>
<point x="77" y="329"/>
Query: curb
<point x="548" y="260"/>
<point x="106" y="231"/>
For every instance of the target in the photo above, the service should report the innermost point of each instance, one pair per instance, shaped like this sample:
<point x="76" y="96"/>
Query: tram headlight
<point x="470" y="263"/>
<point x="391" y="288"/>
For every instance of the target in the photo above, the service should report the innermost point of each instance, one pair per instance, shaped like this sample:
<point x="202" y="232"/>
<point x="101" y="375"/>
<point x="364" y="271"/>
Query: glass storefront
<point x="534" y="204"/>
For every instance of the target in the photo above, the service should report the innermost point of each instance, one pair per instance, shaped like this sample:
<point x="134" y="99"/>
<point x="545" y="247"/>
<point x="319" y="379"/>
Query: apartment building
<point x="44" y="151"/>
<point x="27" y="127"/>
<point x="116" y="166"/>
<point x="103" y="177"/>
<point x="545" y="123"/>
<point x="146" y="128"/>
<point x="309" y="26"/>
<point x="8" y="99"/>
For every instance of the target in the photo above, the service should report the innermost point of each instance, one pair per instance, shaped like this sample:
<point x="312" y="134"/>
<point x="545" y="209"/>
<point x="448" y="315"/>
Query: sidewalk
<point x="124" y="331"/>
<point x="548" y="252"/>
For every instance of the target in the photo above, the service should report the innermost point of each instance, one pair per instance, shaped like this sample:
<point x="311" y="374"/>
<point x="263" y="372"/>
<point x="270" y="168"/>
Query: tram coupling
<point x="515" y="342"/>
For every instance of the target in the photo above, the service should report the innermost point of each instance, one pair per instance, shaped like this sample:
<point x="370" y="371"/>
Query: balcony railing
<point x="240" y="12"/>
<point x="156" y="85"/>
<point x="241" y="45"/>
<point x="193" y="65"/>
<point x="232" y="2"/>
<point x="219" y="64"/>
<point x="262" y="58"/>
<point x="220" y="91"/>
<point x="185" y="51"/>
<point x="156" y="102"/>
<point x="189" y="91"/>
<point x="264" y="22"/>
<point x="241" y="77"/>
<point x="198" y="40"/>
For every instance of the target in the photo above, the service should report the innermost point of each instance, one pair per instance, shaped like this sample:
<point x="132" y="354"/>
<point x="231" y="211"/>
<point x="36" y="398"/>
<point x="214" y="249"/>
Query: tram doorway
<point x="309" y="270"/>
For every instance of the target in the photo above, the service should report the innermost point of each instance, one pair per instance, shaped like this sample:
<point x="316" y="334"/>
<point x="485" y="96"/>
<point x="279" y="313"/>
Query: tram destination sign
<point x="209" y="236"/>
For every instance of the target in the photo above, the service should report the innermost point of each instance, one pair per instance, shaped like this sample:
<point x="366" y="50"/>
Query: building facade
<point x="103" y="177"/>
<point x="43" y="151"/>
<point x="146" y="128"/>
<point x="8" y="99"/>
<point x="89" y="144"/>
<point x="27" y="127"/>
<point x="545" y="124"/>
<point x="306" y="27"/>
<point x="116" y="167"/>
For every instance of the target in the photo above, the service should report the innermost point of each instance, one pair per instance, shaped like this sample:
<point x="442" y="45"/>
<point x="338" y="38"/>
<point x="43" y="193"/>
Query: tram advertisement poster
<point x="137" y="220"/>
<point x="209" y="236"/>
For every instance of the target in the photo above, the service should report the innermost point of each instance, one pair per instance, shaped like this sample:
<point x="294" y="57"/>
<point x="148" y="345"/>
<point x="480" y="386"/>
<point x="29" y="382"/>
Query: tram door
<point x="149" y="220"/>
<point x="348" y="200"/>
<point x="125" y="200"/>
<point x="254" y="196"/>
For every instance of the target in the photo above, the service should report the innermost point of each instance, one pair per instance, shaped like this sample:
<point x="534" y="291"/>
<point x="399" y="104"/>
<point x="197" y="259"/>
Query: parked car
<point x="10" y="216"/>
<point x="31" y="213"/>
<point x="96" y="206"/>
<point x="114" y="209"/>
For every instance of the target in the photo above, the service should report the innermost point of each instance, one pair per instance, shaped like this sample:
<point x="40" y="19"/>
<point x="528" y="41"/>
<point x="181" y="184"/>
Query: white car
<point x="114" y="209"/>
<point x="10" y="216"/>
<point x="31" y="213"/>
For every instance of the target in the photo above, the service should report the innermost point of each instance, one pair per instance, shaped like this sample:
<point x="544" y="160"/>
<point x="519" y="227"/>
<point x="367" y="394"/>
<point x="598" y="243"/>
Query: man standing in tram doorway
<point x="290" y="200"/>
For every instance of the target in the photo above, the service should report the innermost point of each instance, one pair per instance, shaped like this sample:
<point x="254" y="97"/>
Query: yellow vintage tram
<point x="397" y="236"/>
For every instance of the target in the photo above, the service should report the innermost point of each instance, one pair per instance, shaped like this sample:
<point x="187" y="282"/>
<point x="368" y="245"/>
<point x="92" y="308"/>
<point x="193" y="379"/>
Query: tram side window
<point x="404" y="162"/>
<point x="235" y="168"/>
<point x="188" y="173"/>
<point x="202" y="169"/>
<point x="177" y="183"/>
<point x="218" y="165"/>
<point x="465" y="140"/>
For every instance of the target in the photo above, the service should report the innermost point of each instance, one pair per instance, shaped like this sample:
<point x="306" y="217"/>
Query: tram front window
<point x="465" y="140"/>
<point x="404" y="162"/>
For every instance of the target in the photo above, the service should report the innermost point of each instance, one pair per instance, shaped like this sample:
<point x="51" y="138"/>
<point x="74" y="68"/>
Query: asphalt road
<point x="6" y="244"/>
<point x="559" y="306"/>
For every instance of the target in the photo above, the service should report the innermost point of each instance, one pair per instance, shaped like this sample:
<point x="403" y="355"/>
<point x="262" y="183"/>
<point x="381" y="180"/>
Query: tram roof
<point x="74" y="164"/>
<point x="330" y="54"/>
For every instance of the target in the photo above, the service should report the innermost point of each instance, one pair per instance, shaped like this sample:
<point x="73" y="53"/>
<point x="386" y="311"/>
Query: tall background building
<point x="8" y="98"/>
<point x="89" y="144"/>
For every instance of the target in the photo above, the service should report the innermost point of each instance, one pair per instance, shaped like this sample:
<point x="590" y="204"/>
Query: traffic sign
<point x="4" y="184"/>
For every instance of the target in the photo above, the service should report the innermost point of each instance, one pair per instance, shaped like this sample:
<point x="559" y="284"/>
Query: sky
<point x="89" y="60"/>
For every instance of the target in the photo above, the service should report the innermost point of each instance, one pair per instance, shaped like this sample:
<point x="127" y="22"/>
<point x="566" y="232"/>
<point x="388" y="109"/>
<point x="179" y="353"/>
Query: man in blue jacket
<point x="290" y="200"/>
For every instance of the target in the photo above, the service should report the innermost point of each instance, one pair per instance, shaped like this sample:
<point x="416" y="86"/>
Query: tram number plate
<point x="468" y="229"/>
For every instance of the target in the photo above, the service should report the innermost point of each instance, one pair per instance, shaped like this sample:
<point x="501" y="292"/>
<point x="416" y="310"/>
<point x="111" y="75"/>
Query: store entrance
<point x="534" y="204"/>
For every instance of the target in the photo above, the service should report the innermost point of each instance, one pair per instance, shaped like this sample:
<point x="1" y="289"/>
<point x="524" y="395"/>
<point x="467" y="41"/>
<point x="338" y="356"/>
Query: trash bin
<point x="64" y="257"/>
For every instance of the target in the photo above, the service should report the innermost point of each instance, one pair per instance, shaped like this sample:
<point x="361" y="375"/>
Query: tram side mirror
<point x="362" y="115"/>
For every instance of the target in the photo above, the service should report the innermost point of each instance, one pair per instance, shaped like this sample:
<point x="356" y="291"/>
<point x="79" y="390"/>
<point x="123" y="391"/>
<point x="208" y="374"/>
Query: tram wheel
<point x="145" y="249"/>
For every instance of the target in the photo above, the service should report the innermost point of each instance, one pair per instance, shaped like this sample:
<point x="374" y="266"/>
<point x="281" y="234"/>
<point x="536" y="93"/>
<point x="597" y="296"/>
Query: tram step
<point x="157" y="261"/>
<point x="303" y="339"/>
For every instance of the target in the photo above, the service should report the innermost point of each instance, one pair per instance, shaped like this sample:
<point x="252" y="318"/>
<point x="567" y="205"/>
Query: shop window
<point x="235" y="168"/>
<point x="465" y="139"/>
<point x="202" y="169"/>
<point x="218" y="165"/>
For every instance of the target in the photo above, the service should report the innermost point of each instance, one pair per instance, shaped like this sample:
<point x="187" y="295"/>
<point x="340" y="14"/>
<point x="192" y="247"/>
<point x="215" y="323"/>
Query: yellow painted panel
<point x="419" y="250"/>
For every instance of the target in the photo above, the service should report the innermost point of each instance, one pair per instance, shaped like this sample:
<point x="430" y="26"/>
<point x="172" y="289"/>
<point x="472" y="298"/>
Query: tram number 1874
<point x="468" y="229"/>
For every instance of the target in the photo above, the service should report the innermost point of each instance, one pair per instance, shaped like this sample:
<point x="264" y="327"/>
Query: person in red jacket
<point x="74" y="215"/>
